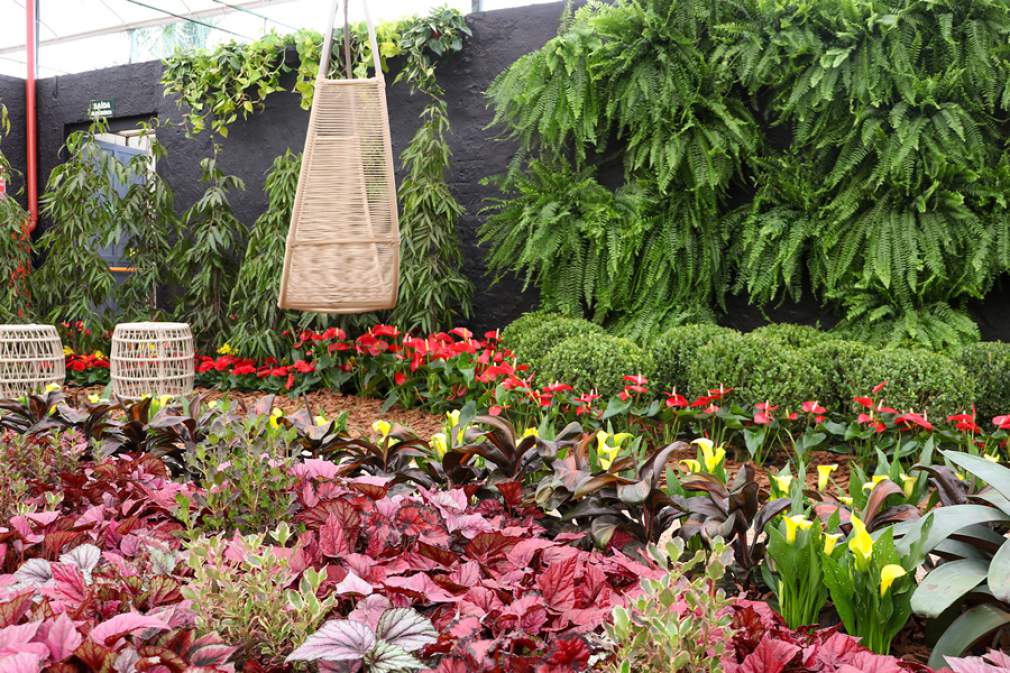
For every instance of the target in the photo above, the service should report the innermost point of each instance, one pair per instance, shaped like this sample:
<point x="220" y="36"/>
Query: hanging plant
<point x="80" y="203"/>
<point x="15" y="242"/>
<point x="206" y="256"/>
<point x="432" y="291"/>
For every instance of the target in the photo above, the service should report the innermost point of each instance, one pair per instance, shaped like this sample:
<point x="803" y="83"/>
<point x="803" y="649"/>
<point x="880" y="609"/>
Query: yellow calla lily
<point x="823" y="474"/>
<point x="782" y="483"/>
<point x="530" y="432"/>
<point x="908" y="484"/>
<point x="704" y="443"/>
<point x="794" y="524"/>
<point x="67" y="350"/>
<point x="872" y="484"/>
<point x="845" y="500"/>
<point x="691" y="464"/>
<point x="713" y="457"/>
<point x="860" y="543"/>
<point x="607" y="456"/>
<point x="52" y="387"/>
<point x="830" y="540"/>
<point x="440" y="443"/>
<point x="320" y="421"/>
<point x="453" y="417"/>
<point x="382" y="428"/>
<point x="888" y="574"/>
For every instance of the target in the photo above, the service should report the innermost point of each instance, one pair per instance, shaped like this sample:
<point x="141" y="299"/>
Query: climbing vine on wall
<point x="852" y="147"/>
<point x="433" y="291"/>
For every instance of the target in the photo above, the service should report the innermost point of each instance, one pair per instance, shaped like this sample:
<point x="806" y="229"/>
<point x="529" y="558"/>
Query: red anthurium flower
<point x="813" y="408"/>
<point x="864" y="402"/>
<point x="636" y="379"/>
<point x="461" y="332"/>
<point x="399" y="378"/>
<point x="557" y="388"/>
<point x="1002" y="422"/>
<point x="766" y="406"/>
<point x="719" y="393"/>
<point x="637" y="389"/>
<point x="792" y="416"/>
<point x="676" y="400"/>
<point x="911" y="419"/>
<point x="712" y="409"/>
<point x="964" y="422"/>
<point x="701" y="401"/>
<point x="385" y="331"/>
<point x="880" y="386"/>
<point x="762" y="418"/>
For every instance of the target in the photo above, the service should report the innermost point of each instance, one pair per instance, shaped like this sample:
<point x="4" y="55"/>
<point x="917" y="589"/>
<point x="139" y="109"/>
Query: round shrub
<point x="595" y="361"/>
<point x="758" y="369"/>
<point x="988" y="362"/>
<point x="837" y="360"/>
<point x="533" y="334"/>
<point x="676" y="349"/>
<point x="797" y="336"/>
<point x="917" y="380"/>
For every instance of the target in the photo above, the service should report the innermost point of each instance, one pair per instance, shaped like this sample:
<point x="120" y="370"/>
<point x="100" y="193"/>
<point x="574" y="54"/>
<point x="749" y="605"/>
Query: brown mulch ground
<point x="361" y="411"/>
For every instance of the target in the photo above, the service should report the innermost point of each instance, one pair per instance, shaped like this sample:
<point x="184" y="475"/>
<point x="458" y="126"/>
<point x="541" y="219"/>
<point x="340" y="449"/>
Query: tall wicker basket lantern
<point x="343" y="245"/>
<point x="152" y="358"/>
<point x="31" y="358"/>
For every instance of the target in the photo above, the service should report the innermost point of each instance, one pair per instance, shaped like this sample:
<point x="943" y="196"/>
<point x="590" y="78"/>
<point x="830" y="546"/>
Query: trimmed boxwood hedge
<point x="797" y="336"/>
<point x="595" y="361"/>
<point x="988" y="363"/>
<point x="534" y="334"/>
<point x="676" y="349"/>
<point x="917" y="380"/>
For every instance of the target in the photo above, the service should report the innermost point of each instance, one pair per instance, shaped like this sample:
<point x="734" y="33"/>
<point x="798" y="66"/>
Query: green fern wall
<point x="853" y="150"/>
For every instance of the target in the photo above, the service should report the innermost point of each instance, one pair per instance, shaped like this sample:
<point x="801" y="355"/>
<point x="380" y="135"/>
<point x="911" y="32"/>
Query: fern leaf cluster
<point x="851" y="148"/>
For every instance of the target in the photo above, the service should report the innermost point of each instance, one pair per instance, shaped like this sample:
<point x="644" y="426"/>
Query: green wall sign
<point x="101" y="109"/>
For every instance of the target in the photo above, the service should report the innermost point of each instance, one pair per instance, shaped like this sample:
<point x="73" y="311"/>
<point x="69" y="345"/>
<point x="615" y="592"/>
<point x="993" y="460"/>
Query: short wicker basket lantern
<point x="31" y="358"/>
<point x="343" y="245"/>
<point x="151" y="358"/>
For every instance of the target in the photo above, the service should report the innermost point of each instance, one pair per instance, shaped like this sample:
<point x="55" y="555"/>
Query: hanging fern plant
<point x="855" y="149"/>
<point x="15" y="243"/>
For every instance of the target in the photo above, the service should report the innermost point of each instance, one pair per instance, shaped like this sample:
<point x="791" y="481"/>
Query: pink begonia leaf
<point x="422" y="585"/>
<point x="315" y="468"/>
<point x="406" y="628"/>
<point x="13" y="636"/>
<point x="69" y="586"/>
<point x="34" y="572"/>
<point x="337" y="640"/>
<point x="109" y="631"/>
<point x="23" y="662"/>
<point x="85" y="557"/>
<point x="770" y="656"/>
<point x="61" y="637"/>
<point x="865" y="661"/>
<point x="352" y="584"/>
<point x="370" y="610"/>
<point x="210" y="650"/>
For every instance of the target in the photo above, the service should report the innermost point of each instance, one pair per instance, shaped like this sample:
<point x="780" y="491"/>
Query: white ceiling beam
<point x="149" y="23"/>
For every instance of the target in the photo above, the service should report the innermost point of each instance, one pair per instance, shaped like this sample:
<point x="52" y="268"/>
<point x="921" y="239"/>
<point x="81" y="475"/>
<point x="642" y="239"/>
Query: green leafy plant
<point x="147" y="227"/>
<point x="432" y="288"/>
<point x="987" y="363"/>
<point x="793" y="572"/>
<point x="917" y="380"/>
<point x="871" y="582"/>
<point x="15" y="242"/>
<point x="681" y="622"/>
<point x="675" y="350"/>
<point x="968" y="589"/>
<point x="245" y="589"/>
<point x="205" y="257"/>
<point x="532" y="335"/>
<point x="257" y="323"/>
<point x="82" y="205"/>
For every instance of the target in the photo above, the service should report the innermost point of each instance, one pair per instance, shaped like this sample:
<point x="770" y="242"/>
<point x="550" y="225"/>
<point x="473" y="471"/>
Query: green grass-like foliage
<point x="595" y="362"/>
<point x="852" y="147"/>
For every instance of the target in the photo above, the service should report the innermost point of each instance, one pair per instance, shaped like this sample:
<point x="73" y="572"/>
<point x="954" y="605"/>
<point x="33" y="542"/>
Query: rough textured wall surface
<point x="12" y="95"/>
<point x="499" y="38"/>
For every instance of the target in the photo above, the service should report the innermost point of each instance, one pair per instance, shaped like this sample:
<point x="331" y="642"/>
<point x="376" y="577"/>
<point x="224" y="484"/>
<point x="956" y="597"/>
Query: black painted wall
<point x="499" y="38"/>
<point x="12" y="95"/>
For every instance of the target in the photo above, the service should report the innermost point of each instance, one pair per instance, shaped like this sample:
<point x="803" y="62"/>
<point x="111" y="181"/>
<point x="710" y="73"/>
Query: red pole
<point x="31" y="49"/>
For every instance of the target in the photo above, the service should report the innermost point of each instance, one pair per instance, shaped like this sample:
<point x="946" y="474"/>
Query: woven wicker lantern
<point x="31" y="358"/>
<point x="152" y="358"/>
<point x="343" y="245"/>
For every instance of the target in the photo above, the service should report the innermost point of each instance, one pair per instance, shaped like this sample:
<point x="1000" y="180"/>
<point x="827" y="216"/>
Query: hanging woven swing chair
<point x="343" y="245"/>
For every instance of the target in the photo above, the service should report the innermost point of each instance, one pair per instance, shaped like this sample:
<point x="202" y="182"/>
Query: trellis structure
<point x="31" y="358"/>
<point x="152" y="358"/>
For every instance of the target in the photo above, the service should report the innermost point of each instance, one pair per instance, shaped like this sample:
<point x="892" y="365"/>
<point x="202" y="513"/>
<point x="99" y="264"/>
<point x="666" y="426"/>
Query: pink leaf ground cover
<point x="94" y="584"/>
